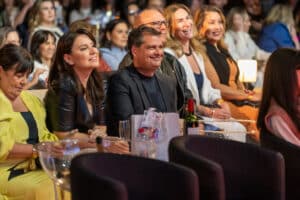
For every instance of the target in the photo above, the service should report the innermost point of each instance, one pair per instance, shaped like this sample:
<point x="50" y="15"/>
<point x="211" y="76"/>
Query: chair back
<point x="250" y="172"/>
<point x="291" y="154"/>
<point x="210" y="173"/>
<point x="87" y="185"/>
<point x="143" y="178"/>
<point x="40" y="93"/>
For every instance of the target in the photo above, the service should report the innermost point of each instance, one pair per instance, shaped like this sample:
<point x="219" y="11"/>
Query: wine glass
<point x="55" y="158"/>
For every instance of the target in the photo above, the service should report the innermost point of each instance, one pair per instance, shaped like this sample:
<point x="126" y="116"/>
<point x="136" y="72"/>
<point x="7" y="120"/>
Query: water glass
<point x="124" y="130"/>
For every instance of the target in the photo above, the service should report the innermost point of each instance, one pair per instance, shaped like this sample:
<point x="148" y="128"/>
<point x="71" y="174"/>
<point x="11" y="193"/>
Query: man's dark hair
<point x="136" y="36"/>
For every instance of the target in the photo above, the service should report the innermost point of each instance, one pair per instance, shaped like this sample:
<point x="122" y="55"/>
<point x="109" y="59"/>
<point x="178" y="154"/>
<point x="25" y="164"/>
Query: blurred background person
<point x="43" y="50"/>
<point x="257" y="16"/>
<point x="156" y="4"/>
<point x="9" y="35"/>
<point x="8" y="13"/>
<point x="221" y="4"/>
<point x="240" y="44"/>
<point x="83" y="9"/>
<point x="22" y="124"/>
<point x="114" y="43"/>
<point x="279" y="29"/>
<point x="279" y="111"/>
<point x="43" y="18"/>
<point x="222" y="70"/>
<point x="129" y="13"/>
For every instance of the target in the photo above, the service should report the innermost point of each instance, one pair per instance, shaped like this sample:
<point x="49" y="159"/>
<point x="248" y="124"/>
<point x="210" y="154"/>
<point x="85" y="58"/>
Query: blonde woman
<point x="279" y="30"/>
<point x="224" y="73"/>
<point x="42" y="17"/>
<point x="182" y="43"/>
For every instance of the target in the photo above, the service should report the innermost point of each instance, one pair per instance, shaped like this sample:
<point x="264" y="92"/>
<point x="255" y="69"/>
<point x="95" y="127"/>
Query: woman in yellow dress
<point x="22" y="126"/>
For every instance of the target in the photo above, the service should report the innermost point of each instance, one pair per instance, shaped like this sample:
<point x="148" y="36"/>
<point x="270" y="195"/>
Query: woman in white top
<point x="42" y="49"/>
<point x="181" y="43"/>
<point x="43" y="17"/>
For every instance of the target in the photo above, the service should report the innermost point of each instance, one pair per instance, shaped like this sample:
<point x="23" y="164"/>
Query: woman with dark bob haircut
<point x="280" y="106"/>
<point x="22" y="125"/>
<point x="42" y="49"/>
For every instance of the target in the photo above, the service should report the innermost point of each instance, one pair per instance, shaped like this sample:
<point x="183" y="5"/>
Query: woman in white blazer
<point x="182" y="44"/>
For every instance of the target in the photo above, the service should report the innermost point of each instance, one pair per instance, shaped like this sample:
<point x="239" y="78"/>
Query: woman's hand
<point x="97" y="131"/>
<point x="35" y="78"/>
<point x="220" y="113"/>
<point x="120" y="147"/>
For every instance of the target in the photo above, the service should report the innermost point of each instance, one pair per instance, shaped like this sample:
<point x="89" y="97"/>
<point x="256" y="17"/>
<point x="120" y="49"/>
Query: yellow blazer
<point x="13" y="128"/>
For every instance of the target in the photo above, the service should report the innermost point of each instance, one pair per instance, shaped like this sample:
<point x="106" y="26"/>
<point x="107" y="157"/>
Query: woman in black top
<point x="75" y="93"/>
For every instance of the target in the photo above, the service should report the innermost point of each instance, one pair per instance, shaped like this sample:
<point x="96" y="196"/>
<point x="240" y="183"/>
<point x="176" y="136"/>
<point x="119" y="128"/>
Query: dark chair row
<point x="120" y="177"/>
<point x="231" y="170"/>
<point x="218" y="169"/>
<point x="291" y="154"/>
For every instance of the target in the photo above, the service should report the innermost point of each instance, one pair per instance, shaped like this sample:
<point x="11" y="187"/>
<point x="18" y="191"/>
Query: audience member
<point x="224" y="73"/>
<point x="280" y="106"/>
<point x="114" y="43"/>
<point x="169" y="65"/>
<point x="9" y="35"/>
<point x="182" y="43"/>
<point x="130" y="11"/>
<point x="83" y="10"/>
<point x="140" y="85"/>
<point x="255" y="11"/>
<point x="83" y="24"/>
<point x="9" y="13"/>
<point x="43" y="50"/>
<point x="279" y="29"/>
<point x="43" y="18"/>
<point x="22" y="125"/>
<point x="156" y="4"/>
<point x="240" y="44"/>
<point x="75" y="91"/>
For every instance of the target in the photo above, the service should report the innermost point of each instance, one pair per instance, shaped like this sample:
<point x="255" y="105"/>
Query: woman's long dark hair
<point x="280" y="84"/>
<point x="61" y="69"/>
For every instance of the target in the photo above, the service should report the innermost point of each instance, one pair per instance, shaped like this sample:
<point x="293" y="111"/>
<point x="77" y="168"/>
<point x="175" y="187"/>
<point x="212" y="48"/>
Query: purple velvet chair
<point x="143" y="178"/>
<point x="291" y="154"/>
<point x="210" y="173"/>
<point x="250" y="171"/>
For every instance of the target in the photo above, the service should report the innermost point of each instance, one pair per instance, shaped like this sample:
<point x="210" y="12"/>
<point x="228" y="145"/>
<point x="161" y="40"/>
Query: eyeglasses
<point x="133" y="12"/>
<point x="157" y="24"/>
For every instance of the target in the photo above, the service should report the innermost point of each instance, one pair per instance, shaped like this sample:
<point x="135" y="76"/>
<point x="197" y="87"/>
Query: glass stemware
<point x="55" y="158"/>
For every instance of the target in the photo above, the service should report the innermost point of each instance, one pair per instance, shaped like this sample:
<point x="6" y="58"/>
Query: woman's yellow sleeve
<point x="6" y="136"/>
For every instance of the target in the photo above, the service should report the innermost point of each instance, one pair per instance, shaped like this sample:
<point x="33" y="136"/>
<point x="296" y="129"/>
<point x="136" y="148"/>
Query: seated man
<point x="140" y="85"/>
<point x="169" y="65"/>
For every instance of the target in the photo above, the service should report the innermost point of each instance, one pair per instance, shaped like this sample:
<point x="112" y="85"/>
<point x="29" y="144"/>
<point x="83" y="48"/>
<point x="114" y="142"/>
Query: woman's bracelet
<point x="34" y="154"/>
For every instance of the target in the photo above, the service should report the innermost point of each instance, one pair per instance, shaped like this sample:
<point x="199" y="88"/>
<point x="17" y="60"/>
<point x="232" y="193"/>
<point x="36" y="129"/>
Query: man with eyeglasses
<point x="170" y="65"/>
